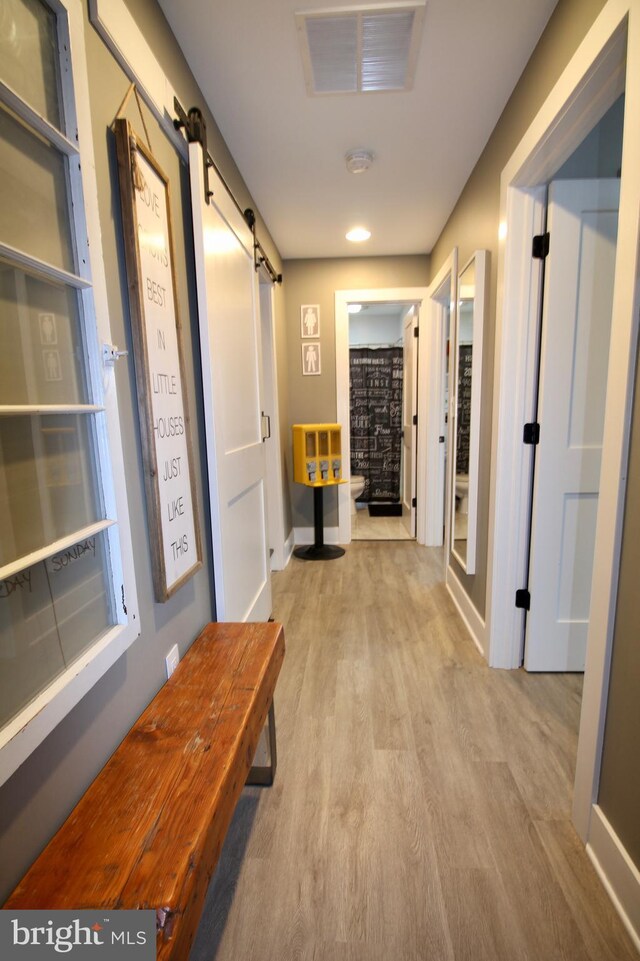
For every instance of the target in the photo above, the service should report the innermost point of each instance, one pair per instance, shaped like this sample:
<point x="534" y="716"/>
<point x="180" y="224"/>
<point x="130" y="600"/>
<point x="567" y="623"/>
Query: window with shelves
<point x="67" y="594"/>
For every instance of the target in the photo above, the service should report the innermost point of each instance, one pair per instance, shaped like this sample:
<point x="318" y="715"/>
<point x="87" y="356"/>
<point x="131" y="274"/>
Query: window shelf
<point x="11" y="410"/>
<point x="37" y="121"/>
<point x="42" y="269"/>
<point x="28" y="560"/>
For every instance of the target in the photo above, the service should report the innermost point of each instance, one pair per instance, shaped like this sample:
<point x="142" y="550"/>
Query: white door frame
<point x="275" y="506"/>
<point x="410" y="427"/>
<point x="388" y="295"/>
<point x="594" y="77"/>
<point x="430" y="464"/>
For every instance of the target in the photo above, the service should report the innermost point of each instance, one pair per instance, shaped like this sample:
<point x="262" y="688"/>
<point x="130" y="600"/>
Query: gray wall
<point x="473" y="225"/>
<point x="313" y="399"/>
<point x="619" y="795"/>
<point x="37" y="799"/>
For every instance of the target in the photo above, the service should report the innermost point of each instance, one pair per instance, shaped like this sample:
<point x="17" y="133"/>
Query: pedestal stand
<point x="318" y="551"/>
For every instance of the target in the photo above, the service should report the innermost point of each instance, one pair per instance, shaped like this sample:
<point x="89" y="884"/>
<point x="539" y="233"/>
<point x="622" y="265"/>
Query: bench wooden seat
<point x="149" y="830"/>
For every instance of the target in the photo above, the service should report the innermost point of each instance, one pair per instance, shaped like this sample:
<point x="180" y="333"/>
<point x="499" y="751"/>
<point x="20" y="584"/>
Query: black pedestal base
<point x="319" y="552"/>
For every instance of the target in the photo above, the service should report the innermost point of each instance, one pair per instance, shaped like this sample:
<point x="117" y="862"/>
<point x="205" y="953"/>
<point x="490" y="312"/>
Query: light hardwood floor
<point x="366" y="528"/>
<point x="421" y="805"/>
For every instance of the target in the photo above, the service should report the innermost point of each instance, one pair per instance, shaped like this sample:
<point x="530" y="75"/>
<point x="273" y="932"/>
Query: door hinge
<point x="531" y="433"/>
<point x="415" y="420"/>
<point x="415" y="332"/>
<point x="540" y="246"/>
<point x="414" y="502"/>
<point x="523" y="599"/>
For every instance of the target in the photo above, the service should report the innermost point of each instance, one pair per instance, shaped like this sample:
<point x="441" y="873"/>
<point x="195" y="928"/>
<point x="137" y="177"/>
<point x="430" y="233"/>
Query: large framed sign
<point x="162" y="404"/>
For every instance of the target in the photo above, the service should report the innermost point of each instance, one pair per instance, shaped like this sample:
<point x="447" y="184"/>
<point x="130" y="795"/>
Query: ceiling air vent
<point x="359" y="50"/>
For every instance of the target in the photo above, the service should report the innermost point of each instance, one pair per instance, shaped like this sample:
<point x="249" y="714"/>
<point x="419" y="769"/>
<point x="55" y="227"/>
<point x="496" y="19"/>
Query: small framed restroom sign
<point x="311" y="359"/>
<point x="174" y="530"/>
<point x="310" y="321"/>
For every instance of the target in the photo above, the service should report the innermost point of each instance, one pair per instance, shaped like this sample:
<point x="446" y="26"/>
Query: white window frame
<point x="22" y="735"/>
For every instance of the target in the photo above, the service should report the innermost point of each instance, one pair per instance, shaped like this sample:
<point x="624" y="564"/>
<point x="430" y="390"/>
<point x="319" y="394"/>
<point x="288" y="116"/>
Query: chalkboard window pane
<point x="28" y="55"/>
<point x="49" y="615"/>
<point x="47" y="481"/>
<point x="41" y="349"/>
<point x="34" y="210"/>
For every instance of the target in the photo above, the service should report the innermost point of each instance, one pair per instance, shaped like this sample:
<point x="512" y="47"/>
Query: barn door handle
<point x="267" y="419"/>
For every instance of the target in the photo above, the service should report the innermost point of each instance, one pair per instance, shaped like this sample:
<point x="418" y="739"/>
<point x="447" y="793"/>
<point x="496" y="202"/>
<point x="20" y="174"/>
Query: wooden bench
<point x="149" y="830"/>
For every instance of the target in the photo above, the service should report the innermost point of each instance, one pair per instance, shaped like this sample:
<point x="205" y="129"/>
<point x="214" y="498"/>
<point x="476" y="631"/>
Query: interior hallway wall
<point x="312" y="399"/>
<point x="39" y="796"/>
<point x="157" y="32"/>
<point x="619" y="792"/>
<point x="473" y="225"/>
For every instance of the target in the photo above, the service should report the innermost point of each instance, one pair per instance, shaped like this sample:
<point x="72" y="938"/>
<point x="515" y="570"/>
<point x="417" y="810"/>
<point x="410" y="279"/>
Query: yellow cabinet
<point x="317" y="454"/>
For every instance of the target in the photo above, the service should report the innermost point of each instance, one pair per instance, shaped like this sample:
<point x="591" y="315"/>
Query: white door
<point x="409" y="429"/>
<point x="229" y="317"/>
<point x="582" y="221"/>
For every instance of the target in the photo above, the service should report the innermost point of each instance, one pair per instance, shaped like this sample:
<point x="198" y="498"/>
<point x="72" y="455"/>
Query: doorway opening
<point x="407" y="301"/>
<point x="382" y="407"/>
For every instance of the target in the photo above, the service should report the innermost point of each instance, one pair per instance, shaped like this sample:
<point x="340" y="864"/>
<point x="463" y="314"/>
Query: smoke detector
<point x="358" y="161"/>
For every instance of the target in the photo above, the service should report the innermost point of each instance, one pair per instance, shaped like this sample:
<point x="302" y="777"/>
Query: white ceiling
<point x="290" y="147"/>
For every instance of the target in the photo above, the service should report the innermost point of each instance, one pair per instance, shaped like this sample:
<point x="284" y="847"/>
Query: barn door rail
<point x="195" y="128"/>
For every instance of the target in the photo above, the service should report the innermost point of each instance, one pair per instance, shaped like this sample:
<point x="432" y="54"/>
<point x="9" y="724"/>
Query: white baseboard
<point x="281" y="556"/>
<point x="616" y="870"/>
<point x="289" y="544"/>
<point x="474" y="623"/>
<point x="306" y="535"/>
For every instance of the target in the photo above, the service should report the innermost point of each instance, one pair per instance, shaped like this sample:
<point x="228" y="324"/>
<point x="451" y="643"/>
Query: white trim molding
<point x="472" y="620"/>
<point x="289" y="545"/>
<point x="436" y="522"/>
<point x="616" y="870"/>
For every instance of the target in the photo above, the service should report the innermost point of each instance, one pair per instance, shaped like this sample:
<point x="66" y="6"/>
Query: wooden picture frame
<point x="174" y="529"/>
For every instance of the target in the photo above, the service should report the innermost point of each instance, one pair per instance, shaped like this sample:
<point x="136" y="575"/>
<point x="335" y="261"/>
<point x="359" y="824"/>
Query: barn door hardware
<point x="195" y="128"/>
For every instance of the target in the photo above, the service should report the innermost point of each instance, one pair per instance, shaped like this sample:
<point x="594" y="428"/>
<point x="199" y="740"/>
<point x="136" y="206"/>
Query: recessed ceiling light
<point x="358" y="234"/>
<point x="354" y="308"/>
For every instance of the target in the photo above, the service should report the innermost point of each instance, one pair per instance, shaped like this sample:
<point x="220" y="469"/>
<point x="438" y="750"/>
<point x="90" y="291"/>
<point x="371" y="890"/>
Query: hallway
<point x="422" y="802"/>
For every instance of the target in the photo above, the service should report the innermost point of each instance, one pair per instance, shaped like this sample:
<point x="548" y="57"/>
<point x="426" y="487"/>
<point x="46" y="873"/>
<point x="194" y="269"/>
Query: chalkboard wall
<point x="375" y="384"/>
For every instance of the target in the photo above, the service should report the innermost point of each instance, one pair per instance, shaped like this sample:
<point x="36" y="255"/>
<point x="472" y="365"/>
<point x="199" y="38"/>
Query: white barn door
<point x="578" y="295"/>
<point x="229" y="318"/>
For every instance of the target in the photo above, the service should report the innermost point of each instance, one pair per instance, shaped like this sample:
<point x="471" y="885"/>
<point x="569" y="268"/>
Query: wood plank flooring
<point x="366" y="528"/>
<point x="421" y="810"/>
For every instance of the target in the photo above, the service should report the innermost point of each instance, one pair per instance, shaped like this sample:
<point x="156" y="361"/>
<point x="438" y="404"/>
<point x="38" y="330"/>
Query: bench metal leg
<point x="263" y="775"/>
